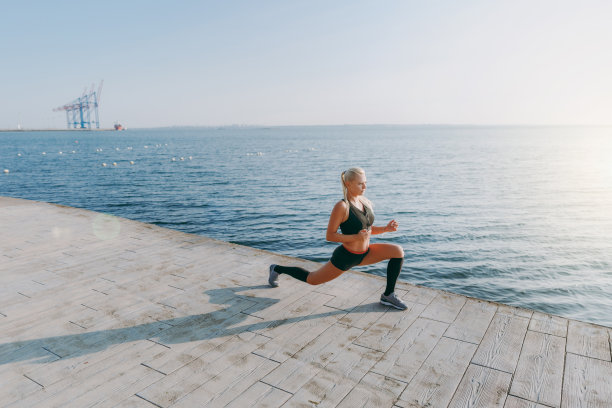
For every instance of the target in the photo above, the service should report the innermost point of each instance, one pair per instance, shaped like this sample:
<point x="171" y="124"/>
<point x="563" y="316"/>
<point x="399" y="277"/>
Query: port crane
<point x="78" y="112"/>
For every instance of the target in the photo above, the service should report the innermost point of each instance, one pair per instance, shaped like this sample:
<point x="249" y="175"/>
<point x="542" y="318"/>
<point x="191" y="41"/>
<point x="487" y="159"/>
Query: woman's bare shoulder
<point x="338" y="214"/>
<point x="341" y="205"/>
<point x="340" y="208"/>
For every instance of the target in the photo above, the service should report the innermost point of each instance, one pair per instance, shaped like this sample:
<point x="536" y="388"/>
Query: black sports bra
<point x="357" y="220"/>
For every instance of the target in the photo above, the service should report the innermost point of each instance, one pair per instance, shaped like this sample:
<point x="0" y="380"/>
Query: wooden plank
<point x="13" y="373"/>
<point x="331" y="385"/>
<point x="472" y="321"/>
<point x="501" y="345"/>
<point x="294" y="372"/>
<point x="367" y="313"/>
<point x="194" y="341"/>
<point x="482" y="387"/>
<point x="26" y="287"/>
<point x="350" y="289"/>
<point x="514" y="311"/>
<point x="276" y="300"/>
<point x="404" y="359"/>
<point x="24" y="355"/>
<point x="191" y="376"/>
<point x="12" y="354"/>
<point x="135" y="402"/>
<point x="548" y="324"/>
<point x="89" y="342"/>
<point x="12" y="302"/>
<point x="260" y="395"/>
<point x="85" y="317"/>
<point x="587" y="382"/>
<point x="124" y="382"/>
<point x="31" y="324"/>
<point x="16" y="388"/>
<point x="390" y="327"/>
<point x="588" y="340"/>
<point x="515" y="402"/>
<point x="539" y="373"/>
<point x="374" y="390"/>
<point x="445" y="307"/>
<point x="67" y="371"/>
<point x="436" y="381"/>
<point x="294" y="338"/>
<point x="233" y="381"/>
<point x="299" y="310"/>
<point x="418" y="294"/>
<point x="214" y="324"/>
<point x="66" y="384"/>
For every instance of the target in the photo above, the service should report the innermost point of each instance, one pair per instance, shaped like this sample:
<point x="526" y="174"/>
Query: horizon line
<point x="311" y="125"/>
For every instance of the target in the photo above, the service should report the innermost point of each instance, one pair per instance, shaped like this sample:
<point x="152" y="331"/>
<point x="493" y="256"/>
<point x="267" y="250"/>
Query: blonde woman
<point x="355" y="218"/>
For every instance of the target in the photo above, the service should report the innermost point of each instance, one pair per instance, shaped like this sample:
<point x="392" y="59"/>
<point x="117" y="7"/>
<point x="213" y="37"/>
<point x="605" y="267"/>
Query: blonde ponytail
<point x="344" y="189"/>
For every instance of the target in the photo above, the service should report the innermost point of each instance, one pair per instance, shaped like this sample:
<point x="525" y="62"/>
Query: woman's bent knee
<point x="400" y="251"/>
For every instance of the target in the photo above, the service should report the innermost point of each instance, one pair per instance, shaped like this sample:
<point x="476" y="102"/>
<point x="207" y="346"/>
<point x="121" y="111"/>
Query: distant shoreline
<point x="356" y="125"/>
<point x="57" y="130"/>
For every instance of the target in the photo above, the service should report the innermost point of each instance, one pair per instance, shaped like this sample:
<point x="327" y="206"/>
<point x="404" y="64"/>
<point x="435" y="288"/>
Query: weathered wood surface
<point x="539" y="374"/>
<point x="587" y="382"/>
<point x="502" y="343"/>
<point x="102" y="311"/>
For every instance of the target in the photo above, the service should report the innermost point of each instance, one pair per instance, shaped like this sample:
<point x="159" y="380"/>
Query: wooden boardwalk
<point x="100" y="311"/>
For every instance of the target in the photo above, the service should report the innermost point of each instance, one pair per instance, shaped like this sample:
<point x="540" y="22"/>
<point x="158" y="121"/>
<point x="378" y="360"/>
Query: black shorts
<point x="344" y="260"/>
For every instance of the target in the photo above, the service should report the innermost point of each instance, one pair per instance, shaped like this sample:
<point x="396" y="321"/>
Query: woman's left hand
<point x="391" y="226"/>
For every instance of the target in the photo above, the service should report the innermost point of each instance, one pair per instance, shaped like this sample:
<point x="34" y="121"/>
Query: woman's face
<point x="357" y="186"/>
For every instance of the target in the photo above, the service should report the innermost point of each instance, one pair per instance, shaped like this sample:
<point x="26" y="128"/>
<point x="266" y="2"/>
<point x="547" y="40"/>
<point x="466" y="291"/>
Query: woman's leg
<point x="324" y="274"/>
<point x="395" y="254"/>
<point x="293" y="271"/>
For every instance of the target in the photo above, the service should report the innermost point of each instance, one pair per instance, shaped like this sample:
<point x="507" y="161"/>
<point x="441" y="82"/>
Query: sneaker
<point x="273" y="279"/>
<point x="393" y="301"/>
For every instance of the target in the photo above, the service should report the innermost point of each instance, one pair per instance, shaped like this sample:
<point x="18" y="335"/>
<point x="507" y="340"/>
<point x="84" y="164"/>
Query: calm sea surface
<point x="519" y="215"/>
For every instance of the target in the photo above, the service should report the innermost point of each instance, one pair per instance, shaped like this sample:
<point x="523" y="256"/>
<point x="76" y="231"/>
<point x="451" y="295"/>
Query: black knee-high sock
<point x="393" y="270"/>
<point x="296" y="272"/>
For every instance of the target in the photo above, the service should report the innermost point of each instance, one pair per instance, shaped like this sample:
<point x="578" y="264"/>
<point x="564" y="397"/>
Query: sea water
<point x="518" y="215"/>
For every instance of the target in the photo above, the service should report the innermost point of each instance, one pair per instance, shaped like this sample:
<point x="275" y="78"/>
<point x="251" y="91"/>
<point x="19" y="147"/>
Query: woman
<point x="354" y="216"/>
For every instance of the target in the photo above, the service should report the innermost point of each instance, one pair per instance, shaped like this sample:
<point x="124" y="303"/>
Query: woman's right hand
<point x="363" y="236"/>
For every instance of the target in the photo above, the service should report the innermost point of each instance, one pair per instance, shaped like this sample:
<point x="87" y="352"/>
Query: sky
<point x="310" y="62"/>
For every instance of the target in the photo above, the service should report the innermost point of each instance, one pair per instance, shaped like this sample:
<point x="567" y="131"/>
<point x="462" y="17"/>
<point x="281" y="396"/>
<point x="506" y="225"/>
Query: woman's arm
<point x="335" y="219"/>
<point x="390" y="227"/>
<point x="378" y="230"/>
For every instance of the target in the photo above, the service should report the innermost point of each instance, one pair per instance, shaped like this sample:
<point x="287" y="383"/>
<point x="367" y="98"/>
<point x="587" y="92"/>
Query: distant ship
<point x="118" y="126"/>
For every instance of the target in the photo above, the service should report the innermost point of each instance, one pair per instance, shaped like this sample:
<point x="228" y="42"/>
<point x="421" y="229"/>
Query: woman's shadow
<point x="223" y="322"/>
